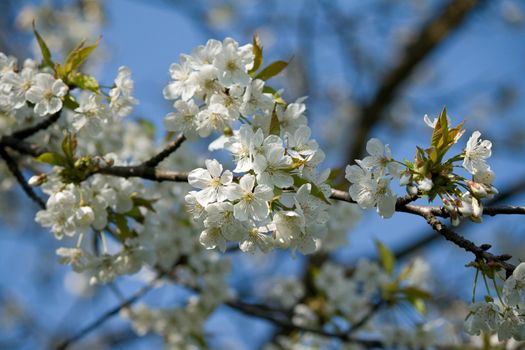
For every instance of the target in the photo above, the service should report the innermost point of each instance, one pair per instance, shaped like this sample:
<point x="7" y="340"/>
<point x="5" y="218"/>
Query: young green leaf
<point x="78" y="56"/>
<point x="257" y="54"/>
<point x="271" y="70"/>
<point x="386" y="257"/>
<point x="70" y="102"/>
<point x="52" y="159"/>
<point x="314" y="189"/>
<point x="84" y="82"/>
<point x="46" y="54"/>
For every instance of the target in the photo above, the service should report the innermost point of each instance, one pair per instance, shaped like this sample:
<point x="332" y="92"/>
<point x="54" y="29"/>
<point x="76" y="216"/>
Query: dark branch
<point x="13" y="168"/>
<point x="469" y="246"/>
<point x="430" y="237"/>
<point x="30" y="131"/>
<point x="108" y="315"/>
<point x="170" y="148"/>
<point x="285" y="323"/>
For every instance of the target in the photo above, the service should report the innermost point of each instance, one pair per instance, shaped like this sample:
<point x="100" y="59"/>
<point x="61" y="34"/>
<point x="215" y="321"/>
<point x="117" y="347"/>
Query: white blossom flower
<point x="273" y="168"/>
<point x="514" y="287"/>
<point x="46" y="94"/>
<point x="221" y="215"/>
<point x="252" y="202"/>
<point x="121" y="99"/>
<point x="214" y="118"/>
<point x="184" y="119"/>
<point x="292" y="117"/>
<point x="257" y="237"/>
<point x="483" y="317"/>
<point x="369" y="192"/>
<point x="380" y="158"/>
<point x="183" y="84"/>
<point x="289" y="225"/>
<point x="476" y="152"/>
<point x="212" y="181"/>
<point x="233" y="63"/>
<point x="91" y="114"/>
<point x="243" y="147"/>
<point x="255" y="99"/>
<point x="212" y="238"/>
<point x="14" y="87"/>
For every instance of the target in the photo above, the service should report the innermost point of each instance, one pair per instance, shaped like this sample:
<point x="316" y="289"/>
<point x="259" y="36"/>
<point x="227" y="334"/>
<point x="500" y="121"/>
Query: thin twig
<point x="13" y="168"/>
<point x="108" y="314"/>
<point x="253" y="310"/>
<point x="468" y="245"/>
<point x="169" y="149"/>
<point x="30" y="131"/>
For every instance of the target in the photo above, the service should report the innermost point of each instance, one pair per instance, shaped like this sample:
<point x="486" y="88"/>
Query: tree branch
<point x="13" y="168"/>
<point x="30" y="131"/>
<point x="169" y="149"/>
<point x="108" y="315"/>
<point x="469" y="246"/>
<point x="285" y="323"/>
<point x="430" y="237"/>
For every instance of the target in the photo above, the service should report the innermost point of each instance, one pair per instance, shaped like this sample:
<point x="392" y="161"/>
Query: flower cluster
<point x="371" y="179"/>
<point x="429" y="175"/>
<point x="279" y="198"/>
<point x="505" y="316"/>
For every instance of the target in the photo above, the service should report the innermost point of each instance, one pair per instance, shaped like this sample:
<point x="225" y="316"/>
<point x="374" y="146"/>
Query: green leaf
<point x="148" y="126"/>
<point x="314" y="189"/>
<point x="419" y="305"/>
<point x="257" y="53"/>
<point x="122" y="227"/>
<point x="78" y="56"/>
<point x="386" y="257"/>
<point x="84" y="81"/>
<point x="46" y="54"/>
<point x="70" y="102"/>
<point x="416" y="293"/>
<point x="271" y="70"/>
<point x="52" y="159"/>
<point x="69" y="147"/>
<point x="143" y="202"/>
<point x="275" y="125"/>
<point x="444" y="125"/>
<point x="135" y="214"/>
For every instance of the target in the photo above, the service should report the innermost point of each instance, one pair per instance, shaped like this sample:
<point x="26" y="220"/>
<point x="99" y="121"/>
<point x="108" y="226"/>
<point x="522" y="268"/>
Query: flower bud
<point x="37" y="180"/>
<point x="425" y="184"/>
<point x="477" y="189"/>
<point x="405" y="179"/>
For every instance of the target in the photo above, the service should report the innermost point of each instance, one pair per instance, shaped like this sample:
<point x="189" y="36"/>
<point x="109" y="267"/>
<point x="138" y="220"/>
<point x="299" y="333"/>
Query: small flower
<point x="121" y="101"/>
<point x="214" y="118"/>
<point x="183" y="119"/>
<point x="476" y="152"/>
<point x="369" y="192"/>
<point x="46" y="94"/>
<point x="253" y="203"/>
<point x="233" y="63"/>
<point x="273" y="168"/>
<point x="380" y="158"/>
<point x="212" y="182"/>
